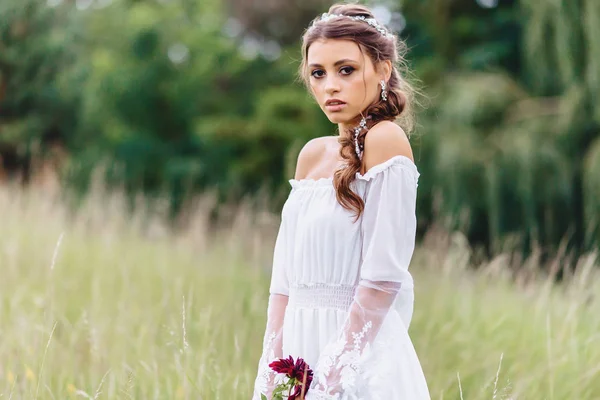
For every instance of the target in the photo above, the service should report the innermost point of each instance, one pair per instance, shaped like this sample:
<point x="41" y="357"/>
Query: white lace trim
<point x="339" y="367"/>
<point x="265" y="373"/>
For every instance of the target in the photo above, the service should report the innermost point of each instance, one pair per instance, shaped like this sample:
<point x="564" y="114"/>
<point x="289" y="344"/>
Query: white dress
<point x="341" y="296"/>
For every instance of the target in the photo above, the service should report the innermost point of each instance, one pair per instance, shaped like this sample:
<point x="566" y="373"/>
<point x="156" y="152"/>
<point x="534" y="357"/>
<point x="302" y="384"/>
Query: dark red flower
<point x="296" y="395"/>
<point x="294" y="370"/>
<point x="300" y="369"/>
<point x="284" y="366"/>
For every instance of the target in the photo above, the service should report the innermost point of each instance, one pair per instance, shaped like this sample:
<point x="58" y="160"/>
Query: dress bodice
<point x="320" y="242"/>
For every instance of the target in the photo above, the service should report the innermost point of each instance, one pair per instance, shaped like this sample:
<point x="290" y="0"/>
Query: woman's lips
<point x="335" y="107"/>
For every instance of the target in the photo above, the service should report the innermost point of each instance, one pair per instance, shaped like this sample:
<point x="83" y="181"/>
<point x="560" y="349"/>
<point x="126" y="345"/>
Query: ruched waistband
<point x="321" y="295"/>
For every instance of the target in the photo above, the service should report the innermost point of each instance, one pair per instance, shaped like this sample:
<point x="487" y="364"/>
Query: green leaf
<point x="280" y="389"/>
<point x="263" y="397"/>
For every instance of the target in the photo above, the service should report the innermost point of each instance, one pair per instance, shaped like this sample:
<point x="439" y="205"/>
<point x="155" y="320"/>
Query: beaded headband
<point x="371" y="21"/>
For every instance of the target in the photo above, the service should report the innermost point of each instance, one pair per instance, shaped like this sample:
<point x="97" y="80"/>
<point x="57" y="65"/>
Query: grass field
<point x="100" y="305"/>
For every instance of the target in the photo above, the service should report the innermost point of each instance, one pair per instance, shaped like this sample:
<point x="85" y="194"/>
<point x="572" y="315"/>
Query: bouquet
<point x="299" y="377"/>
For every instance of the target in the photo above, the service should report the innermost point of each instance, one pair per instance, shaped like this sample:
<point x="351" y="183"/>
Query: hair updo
<point x="378" y="47"/>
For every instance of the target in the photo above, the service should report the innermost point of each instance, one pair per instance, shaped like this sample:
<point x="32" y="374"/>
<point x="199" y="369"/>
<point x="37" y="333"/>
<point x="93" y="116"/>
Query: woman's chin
<point x="337" y="118"/>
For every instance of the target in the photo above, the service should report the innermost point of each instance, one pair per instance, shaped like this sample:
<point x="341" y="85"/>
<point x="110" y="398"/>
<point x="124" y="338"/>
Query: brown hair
<point x="400" y="93"/>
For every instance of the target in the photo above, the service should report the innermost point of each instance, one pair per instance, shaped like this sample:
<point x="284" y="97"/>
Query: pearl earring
<point x="383" y="92"/>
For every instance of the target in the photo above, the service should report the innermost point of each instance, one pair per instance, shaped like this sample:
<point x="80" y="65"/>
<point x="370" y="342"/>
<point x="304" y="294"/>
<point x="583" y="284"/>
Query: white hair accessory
<point x="359" y="148"/>
<point x="371" y="21"/>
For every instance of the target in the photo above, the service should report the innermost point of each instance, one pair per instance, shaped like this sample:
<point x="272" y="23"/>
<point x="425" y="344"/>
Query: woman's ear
<point x="386" y="69"/>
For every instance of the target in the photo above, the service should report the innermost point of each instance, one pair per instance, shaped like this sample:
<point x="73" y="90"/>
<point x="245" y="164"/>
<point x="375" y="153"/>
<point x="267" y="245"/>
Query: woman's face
<point x="342" y="79"/>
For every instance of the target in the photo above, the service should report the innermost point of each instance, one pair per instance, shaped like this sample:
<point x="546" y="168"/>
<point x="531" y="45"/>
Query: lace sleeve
<point x="272" y="346"/>
<point x="278" y="300"/>
<point x="389" y="227"/>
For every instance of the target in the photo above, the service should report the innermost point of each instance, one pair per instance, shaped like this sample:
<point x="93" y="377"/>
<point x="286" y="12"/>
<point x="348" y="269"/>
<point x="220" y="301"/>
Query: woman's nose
<point x="332" y="86"/>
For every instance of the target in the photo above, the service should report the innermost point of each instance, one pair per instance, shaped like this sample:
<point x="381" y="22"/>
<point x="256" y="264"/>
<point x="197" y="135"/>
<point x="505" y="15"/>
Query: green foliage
<point x="592" y="193"/>
<point x="35" y="45"/>
<point x="178" y="109"/>
<point x="168" y="97"/>
<point x="507" y="152"/>
<point x="461" y="35"/>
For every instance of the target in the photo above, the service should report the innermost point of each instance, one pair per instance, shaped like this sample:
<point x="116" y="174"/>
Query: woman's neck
<point x="343" y="127"/>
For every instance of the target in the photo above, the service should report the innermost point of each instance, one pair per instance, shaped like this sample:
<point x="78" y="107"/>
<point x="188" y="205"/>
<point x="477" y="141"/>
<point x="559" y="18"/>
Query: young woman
<point x="341" y="295"/>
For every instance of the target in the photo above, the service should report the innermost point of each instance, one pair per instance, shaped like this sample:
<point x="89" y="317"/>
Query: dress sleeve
<point x="278" y="300"/>
<point x="389" y="228"/>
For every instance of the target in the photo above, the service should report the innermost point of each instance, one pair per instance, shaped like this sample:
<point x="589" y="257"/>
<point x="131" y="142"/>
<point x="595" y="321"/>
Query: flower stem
<point x="303" y="391"/>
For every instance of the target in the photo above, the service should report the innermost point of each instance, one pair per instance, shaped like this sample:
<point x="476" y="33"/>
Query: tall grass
<point x="101" y="304"/>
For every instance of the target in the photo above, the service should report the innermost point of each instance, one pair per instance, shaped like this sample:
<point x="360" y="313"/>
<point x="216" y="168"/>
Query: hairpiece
<point x="371" y="21"/>
<point x="360" y="147"/>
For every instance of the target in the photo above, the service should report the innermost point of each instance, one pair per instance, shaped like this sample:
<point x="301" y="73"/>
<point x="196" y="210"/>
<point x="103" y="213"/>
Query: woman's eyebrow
<point x="345" y="60"/>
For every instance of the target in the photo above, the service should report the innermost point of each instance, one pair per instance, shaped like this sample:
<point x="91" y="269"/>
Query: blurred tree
<point x="32" y="53"/>
<point x="181" y="97"/>
<point x="562" y="50"/>
<point x="179" y="107"/>
<point x="461" y="35"/>
<point x="510" y="155"/>
<point x="273" y="19"/>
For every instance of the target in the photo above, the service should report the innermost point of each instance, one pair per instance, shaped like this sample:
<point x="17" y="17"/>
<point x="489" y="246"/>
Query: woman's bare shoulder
<point x="311" y="154"/>
<point x="384" y="141"/>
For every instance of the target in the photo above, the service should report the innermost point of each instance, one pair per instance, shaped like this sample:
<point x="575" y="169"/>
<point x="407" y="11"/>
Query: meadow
<point x="103" y="304"/>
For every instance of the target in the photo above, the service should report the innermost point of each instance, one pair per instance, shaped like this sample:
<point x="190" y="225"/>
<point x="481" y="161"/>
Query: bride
<point x="341" y="296"/>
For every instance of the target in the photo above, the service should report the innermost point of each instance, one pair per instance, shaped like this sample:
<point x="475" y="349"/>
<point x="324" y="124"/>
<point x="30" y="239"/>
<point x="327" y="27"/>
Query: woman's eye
<point x="318" y="73"/>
